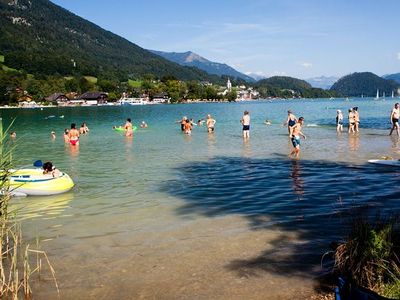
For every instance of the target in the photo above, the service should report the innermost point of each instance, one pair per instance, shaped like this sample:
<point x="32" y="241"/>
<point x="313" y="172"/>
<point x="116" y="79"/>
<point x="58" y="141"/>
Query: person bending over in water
<point x="246" y="124"/>
<point x="295" y="133"/>
<point x="210" y="124"/>
<point x="394" y="119"/>
<point x="49" y="169"/>
<point x="128" y="127"/>
<point x="291" y="120"/>
<point x="339" y="121"/>
<point x="73" y="135"/>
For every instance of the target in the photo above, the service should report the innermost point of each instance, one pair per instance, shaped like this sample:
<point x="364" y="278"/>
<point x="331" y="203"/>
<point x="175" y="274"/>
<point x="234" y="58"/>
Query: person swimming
<point x="143" y="124"/>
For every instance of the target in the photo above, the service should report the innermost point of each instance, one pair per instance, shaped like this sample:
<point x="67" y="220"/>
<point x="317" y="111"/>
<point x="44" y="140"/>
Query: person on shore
<point x="245" y="121"/>
<point x="351" y="121"/>
<point x="187" y="128"/>
<point x="66" y="135"/>
<point x="356" y="119"/>
<point x="339" y="121"/>
<point x="128" y="128"/>
<point x="394" y="119"/>
<point x="295" y="133"/>
<point x="53" y="135"/>
<point x="73" y="135"/>
<point x="143" y="124"/>
<point x="290" y="121"/>
<point x="210" y="124"/>
<point x="49" y="169"/>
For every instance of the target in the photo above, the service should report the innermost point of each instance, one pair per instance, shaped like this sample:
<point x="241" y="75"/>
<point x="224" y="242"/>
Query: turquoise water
<point x="169" y="195"/>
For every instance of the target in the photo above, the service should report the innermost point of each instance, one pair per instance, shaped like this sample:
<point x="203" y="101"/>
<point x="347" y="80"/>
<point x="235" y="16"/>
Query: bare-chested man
<point x="394" y="119"/>
<point x="295" y="133"/>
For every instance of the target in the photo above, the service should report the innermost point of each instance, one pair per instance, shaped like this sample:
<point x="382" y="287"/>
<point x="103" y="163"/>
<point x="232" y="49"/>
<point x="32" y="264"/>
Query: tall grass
<point x="370" y="255"/>
<point x="15" y="267"/>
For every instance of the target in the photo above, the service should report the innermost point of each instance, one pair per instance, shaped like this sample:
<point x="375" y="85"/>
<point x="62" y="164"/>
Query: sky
<point x="298" y="38"/>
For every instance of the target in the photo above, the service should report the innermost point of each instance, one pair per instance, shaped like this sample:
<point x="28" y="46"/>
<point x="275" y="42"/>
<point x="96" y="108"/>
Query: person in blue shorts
<point x="295" y="133"/>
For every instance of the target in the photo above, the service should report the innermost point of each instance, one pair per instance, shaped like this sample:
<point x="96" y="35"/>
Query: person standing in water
<point x="394" y="119"/>
<point x="246" y="124"/>
<point x="351" y="121"/>
<point x="128" y="127"/>
<point x="295" y="133"/>
<point x="339" y="121"/>
<point x="210" y="124"/>
<point x="73" y="135"/>
<point x="291" y="120"/>
<point x="356" y="118"/>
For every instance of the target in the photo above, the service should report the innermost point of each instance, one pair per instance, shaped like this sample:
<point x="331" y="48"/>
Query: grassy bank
<point x="16" y="269"/>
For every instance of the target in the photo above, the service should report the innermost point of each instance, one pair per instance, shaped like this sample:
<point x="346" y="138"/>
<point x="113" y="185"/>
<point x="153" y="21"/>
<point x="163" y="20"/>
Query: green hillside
<point x="365" y="83"/>
<point x="287" y="87"/>
<point x="45" y="39"/>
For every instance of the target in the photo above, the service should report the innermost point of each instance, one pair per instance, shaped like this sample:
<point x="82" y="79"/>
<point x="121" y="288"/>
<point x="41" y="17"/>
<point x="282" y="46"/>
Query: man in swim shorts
<point x="246" y="124"/>
<point x="210" y="124"/>
<point x="394" y="119"/>
<point x="295" y="133"/>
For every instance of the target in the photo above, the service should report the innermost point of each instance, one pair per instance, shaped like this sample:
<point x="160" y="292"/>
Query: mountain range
<point x="43" y="38"/>
<point x="394" y="77"/>
<point x="194" y="60"/>
<point x="364" y="83"/>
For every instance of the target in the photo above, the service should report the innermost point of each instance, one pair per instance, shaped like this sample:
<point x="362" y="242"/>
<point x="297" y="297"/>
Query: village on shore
<point x="24" y="100"/>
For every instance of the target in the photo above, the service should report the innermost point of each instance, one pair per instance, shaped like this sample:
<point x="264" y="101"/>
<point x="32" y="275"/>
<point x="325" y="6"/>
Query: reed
<point x="16" y="273"/>
<point x="370" y="255"/>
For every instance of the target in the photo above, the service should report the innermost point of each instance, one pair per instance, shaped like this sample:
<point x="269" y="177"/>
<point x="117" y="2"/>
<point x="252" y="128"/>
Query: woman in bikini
<point x="73" y="135"/>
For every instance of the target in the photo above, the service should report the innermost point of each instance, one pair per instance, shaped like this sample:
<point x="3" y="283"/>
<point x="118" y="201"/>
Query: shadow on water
<point x="308" y="199"/>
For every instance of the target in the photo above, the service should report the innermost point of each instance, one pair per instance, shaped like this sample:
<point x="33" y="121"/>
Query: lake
<point x="208" y="216"/>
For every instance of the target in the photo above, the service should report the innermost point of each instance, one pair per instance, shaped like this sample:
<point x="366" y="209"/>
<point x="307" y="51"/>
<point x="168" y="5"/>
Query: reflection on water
<point x="354" y="142"/>
<point x="73" y="151"/>
<point x="42" y="207"/>
<point x="298" y="182"/>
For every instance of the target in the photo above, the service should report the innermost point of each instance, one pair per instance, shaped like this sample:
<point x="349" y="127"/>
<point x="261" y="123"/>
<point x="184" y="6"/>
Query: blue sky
<point x="303" y="38"/>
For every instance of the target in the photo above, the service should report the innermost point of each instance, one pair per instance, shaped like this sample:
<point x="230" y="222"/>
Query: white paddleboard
<point x="385" y="162"/>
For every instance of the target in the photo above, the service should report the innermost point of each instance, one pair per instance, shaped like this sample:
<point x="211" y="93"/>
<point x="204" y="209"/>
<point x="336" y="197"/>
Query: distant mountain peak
<point x="192" y="59"/>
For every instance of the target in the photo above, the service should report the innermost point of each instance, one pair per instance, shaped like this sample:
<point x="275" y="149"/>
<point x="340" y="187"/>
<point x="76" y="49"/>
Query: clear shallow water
<point x="162" y="192"/>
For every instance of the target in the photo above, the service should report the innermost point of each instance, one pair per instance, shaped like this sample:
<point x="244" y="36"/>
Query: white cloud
<point x="306" y="65"/>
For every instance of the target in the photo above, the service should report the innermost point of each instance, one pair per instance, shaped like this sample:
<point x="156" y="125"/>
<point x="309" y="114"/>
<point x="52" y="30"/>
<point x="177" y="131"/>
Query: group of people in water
<point x="187" y="124"/>
<point x="353" y="117"/>
<point x="294" y="126"/>
<point x="72" y="135"/>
